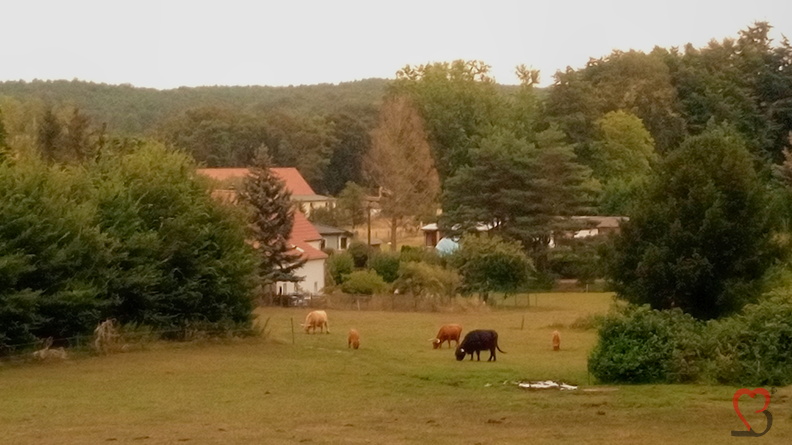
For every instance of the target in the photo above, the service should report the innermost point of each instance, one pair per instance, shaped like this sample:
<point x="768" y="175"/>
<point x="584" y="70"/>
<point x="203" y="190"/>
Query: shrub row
<point x="135" y="237"/>
<point x="641" y="345"/>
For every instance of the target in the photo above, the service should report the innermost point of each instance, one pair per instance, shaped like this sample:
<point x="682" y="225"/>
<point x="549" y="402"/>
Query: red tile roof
<point x="303" y="232"/>
<point x="221" y="174"/>
<point x="294" y="181"/>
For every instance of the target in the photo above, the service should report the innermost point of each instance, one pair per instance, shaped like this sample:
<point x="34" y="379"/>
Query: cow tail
<point x="499" y="349"/>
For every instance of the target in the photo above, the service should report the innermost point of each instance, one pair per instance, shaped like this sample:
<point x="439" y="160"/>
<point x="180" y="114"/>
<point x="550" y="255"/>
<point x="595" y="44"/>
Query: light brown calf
<point x="353" y="341"/>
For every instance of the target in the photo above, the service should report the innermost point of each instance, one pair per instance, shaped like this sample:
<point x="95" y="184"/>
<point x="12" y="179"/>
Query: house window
<point x="343" y="242"/>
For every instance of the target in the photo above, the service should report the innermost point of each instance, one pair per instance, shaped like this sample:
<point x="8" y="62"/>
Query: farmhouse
<point x="304" y="237"/>
<point x="598" y="225"/>
<point x="308" y="242"/>
<point x="230" y="179"/>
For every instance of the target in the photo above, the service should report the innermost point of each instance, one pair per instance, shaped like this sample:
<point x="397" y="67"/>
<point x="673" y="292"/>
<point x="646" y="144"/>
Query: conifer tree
<point x="272" y="222"/>
<point x="49" y="135"/>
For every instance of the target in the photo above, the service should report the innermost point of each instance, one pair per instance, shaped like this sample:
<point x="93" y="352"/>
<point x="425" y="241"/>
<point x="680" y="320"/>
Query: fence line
<point x="18" y="350"/>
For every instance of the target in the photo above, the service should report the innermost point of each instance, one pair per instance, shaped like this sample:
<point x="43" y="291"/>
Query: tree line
<point x="135" y="237"/>
<point x="690" y="143"/>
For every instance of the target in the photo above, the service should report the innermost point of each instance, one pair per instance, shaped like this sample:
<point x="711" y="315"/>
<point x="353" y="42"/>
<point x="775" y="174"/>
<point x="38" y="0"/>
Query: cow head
<point x="435" y="343"/>
<point x="460" y="354"/>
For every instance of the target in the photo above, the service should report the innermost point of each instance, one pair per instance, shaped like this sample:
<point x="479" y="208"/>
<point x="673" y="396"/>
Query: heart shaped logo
<point x="768" y="415"/>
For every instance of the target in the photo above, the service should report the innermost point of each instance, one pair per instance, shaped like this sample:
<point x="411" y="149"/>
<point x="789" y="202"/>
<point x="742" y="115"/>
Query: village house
<point x="304" y="237"/>
<point x="333" y="237"/>
<point x="230" y="179"/>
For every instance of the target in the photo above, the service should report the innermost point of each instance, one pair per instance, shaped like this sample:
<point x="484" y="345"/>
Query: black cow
<point x="477" y="341"/>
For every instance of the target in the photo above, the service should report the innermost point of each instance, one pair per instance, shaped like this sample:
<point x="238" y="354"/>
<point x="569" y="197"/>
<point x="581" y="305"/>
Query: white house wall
<point x="313" y="283"/>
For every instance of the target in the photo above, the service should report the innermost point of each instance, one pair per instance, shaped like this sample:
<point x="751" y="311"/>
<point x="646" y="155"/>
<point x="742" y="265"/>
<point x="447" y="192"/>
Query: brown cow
<point x="447" y="333"/>
<point x="316" y="319"/>
<point x="353" y="341"/>
<point x="556" y="341"/>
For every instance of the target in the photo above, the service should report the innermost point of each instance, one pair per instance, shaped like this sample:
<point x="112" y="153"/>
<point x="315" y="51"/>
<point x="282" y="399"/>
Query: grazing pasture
<point x="395" y="389"/>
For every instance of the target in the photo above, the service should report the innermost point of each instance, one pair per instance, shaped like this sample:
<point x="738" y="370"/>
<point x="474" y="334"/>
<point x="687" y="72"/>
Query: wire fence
<point x="135" y="336"/>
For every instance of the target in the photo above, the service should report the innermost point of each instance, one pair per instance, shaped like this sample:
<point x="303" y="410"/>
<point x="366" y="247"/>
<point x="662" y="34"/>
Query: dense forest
<point x="692" y="144"/>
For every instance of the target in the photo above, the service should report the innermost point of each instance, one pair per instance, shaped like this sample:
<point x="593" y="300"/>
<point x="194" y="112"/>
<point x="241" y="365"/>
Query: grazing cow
<point x="316" y="319"/>
<point x="353" y="341"/>
<point x="477" y="341"/>
<point x="556" y="341"/>
<point x="447" y="333"/>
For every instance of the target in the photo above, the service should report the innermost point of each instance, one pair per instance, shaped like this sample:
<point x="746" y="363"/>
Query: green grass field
<point x="394" y="390"/>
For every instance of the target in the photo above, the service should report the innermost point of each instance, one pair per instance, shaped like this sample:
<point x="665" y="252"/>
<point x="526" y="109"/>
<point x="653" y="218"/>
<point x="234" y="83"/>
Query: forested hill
<point x="135" y="111"/>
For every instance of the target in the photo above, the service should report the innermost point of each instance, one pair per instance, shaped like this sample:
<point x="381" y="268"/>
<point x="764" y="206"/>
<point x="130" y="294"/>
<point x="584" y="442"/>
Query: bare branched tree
<point x="400" y="162"/>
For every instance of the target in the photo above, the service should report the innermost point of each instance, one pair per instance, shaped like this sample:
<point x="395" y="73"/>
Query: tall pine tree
<point x="273" y="219"/>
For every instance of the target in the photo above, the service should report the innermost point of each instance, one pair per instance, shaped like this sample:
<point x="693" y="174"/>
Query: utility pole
<point x="368" y="220"/>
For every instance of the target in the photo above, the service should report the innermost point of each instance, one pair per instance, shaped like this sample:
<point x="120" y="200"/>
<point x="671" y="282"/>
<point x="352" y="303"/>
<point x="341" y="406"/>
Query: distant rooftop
<point x="294" y="181"/>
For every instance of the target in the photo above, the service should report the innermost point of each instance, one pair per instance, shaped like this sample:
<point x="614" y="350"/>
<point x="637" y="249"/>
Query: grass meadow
<point x="297" y="388"/>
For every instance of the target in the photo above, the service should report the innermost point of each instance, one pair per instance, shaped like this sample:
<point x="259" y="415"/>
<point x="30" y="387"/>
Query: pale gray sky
<point x="167" y="44"/>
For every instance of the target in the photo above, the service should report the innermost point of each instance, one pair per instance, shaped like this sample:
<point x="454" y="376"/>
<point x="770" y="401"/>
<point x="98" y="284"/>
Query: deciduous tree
<point x="400" y="162"/>
<point x="490" y="264"/>
<point x="352" y="202"/>
<point x="624" y="157"/>
<point x="702" y="238"/>
<point x="458" y="102"/>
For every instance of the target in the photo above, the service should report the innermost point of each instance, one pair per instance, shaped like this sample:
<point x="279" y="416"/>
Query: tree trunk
<point x="394" y="224"/>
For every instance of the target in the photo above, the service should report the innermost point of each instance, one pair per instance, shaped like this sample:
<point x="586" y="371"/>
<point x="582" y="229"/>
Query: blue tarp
<point x="446" y="246"/>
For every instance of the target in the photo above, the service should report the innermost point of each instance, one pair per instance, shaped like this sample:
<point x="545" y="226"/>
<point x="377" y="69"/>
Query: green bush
<point x="421" y="279"/>
<point x="642" y="345"/>
<point x="386" y="264"/>
<point x="53" y="257"/>
<point x="754" y="347"/>
<point x="488" y="263"/>
<point x="360" y="253"/>
<point x="136" y="237"/>
<point x="181" y="256"/>
<point x="577" y="258"/>
<point x="363" y="282"/>
<point x="339" y="264"/>
<point x="419" y="254"/>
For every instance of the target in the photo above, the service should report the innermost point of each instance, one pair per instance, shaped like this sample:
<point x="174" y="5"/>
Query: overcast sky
<point x="167" y="44"/>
